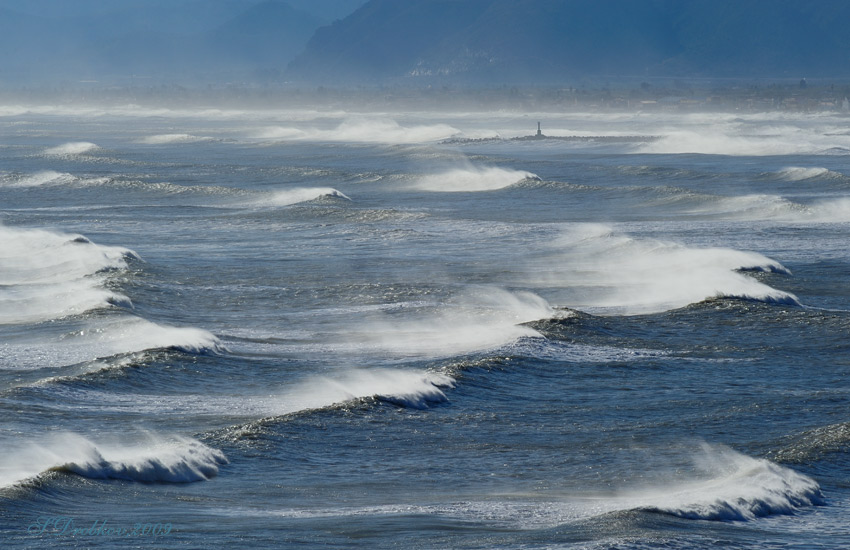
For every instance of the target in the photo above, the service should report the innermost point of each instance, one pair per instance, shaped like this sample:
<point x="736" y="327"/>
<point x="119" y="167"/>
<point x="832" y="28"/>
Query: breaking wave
<point x="49" y="275"/>
<point x="363" y="130"/>
<point x="472" y="179"/>
<point x="797" y="173"/>
<point x="724" y="486"/>
<point x="71" y="149"/>
<point x="301" y="194"/>
<point x="167" y="139"/>
<point x="149" y="458"/>
<point x="407" y="388"/>
<point x="597" y="270"/>
<point x="773" y="208"/>
<point x="46" y="177"/>
<point x="480" y="319"/>
<point x="98" y="338"/>
<point x="735" y="487"/>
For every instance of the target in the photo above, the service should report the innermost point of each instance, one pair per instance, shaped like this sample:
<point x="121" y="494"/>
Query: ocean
<point x="339" y="329"/>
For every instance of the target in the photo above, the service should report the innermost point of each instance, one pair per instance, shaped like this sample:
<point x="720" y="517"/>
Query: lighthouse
<point x="539" y="133"/>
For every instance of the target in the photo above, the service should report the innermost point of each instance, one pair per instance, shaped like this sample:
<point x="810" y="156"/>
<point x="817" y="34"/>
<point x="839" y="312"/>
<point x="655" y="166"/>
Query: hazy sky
<point x="325" y="9"/>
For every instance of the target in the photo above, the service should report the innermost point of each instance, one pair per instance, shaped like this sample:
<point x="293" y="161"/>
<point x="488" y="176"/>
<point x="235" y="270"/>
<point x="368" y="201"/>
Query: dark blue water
<point x="281" y="328"/>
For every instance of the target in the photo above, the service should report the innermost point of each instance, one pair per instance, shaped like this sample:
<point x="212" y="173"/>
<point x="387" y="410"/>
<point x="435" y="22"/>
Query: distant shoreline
<point x="675" y="97"/>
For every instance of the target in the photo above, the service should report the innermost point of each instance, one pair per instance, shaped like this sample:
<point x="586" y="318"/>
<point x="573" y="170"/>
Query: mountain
<point x="155" y="41"/>
<point x="549" y="41"/>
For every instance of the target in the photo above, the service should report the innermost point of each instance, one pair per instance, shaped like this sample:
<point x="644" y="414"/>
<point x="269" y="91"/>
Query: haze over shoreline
<point x="667" y="95"/>
<point x="296" y="44"/>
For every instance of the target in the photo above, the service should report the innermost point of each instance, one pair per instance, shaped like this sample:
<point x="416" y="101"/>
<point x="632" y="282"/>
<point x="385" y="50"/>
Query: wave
<point x="813" y="445"/>
<point x="41" y="256"/>
<point x="736" y="488"/>
<point x="477" y="319"/>
<point x="149" y="458"/>
<point x="597" y="270"/>
<point x="300" y="194"/>
<point x="772" y="208"/>
<point x="73" y="148"/>
<point x="472" y="179"/>
<point x="50" y="178"/>
<point x="480" y="319"/>
<point x="411" y="389"/>
<point x="744" y="137"/>
<point x="167" y="139"/>
<point x="363" y="130"/>
<point x="571" y="352"/>
<point x="48" y="275"/>
<point x="97" y="338"/>
<point x="835" y="210"/>
<point x="38" y="179"/>
<point x="798" y="173"/>
<point x="37" y="303"/>
<point x="724" y="486"/>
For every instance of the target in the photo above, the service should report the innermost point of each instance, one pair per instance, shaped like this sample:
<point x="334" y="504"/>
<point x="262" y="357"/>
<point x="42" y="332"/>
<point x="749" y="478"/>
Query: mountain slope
<point x="164" y="41"/>
<point x="555" y="40"/>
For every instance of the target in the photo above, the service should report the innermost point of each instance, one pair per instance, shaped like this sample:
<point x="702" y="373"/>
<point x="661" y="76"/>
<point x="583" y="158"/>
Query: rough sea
<point x="335" y="329"/>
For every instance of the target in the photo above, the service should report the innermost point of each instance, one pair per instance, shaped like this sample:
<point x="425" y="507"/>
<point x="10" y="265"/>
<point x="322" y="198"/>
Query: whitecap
<point x="593" y="269"/>
<point x="144" y="458"/>
<point x="71" y="149"/>
<point x="471" y="179"/>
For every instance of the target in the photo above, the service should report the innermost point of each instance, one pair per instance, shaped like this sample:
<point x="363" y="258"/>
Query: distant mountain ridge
<point x="156" y="41"/>
<point x="542" y="41"/>
<point x="418" y="42"/>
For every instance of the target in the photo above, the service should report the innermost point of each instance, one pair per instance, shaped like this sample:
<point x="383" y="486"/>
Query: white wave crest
<point x="723" y="486"/>
<point x="147" y="458"/>
<point x="46" y="177"/>
<point x="797" y="173"/>
<point x="481" y="319"/>
<point x="48" y="275"/>
<point x="97" y="338"/>
<point x="735" y="487"/>
<point x="300" y="194"/>
<point x="471" y="179"/>
<point x="166" y="139"/>
<point x="36" y="255"/>
<point x="776" y="208"/>
<point x="363" y="130"/>
<point x="71" y="149"/>
<point x="407" y="388"/>
<point x="36" y="303"/>
<point x="829" y="211"/>
<point x="599" y="271"/>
